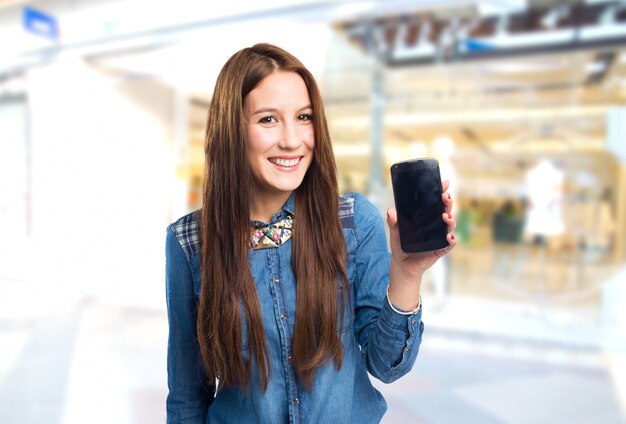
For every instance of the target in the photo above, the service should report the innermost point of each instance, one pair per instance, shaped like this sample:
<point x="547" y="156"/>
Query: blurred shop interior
<point x="523" y="103"/>
<point x="103" y="110"/>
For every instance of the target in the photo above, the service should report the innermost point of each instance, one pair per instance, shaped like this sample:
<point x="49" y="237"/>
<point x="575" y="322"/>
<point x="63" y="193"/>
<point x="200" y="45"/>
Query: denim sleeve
<point x="389" y="341"/>
<point x="189" y="396"/>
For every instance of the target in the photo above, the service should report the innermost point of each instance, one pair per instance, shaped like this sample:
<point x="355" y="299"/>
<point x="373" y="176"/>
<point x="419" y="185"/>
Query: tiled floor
<point x="452" y="386"/>
<point x="95" y="362"/>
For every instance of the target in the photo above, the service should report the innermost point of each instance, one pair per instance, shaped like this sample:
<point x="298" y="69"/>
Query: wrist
<point x="403" y="296"/>
<point x="403" y="311"/>
<point x="400" y="274"/>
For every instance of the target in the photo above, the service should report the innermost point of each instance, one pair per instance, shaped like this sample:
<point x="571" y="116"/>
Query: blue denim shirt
<point x="375" y="338"/>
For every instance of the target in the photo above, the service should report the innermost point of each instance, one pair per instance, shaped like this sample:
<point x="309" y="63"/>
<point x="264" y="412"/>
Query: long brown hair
<point x="228" y="292"/>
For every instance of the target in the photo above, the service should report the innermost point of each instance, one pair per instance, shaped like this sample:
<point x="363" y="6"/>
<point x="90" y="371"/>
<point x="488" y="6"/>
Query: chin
<point x="288" y="184"/>
<point x="288" y="187"/>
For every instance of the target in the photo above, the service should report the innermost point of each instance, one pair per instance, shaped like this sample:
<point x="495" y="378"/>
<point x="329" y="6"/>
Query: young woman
<point x="281" y="294"/>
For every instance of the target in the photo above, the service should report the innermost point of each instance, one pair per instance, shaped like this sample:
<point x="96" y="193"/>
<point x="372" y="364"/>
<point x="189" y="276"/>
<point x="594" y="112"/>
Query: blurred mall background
<point x="102" y="114"/>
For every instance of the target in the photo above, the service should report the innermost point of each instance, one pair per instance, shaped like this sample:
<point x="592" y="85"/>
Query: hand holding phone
<point x="417" y="194"/>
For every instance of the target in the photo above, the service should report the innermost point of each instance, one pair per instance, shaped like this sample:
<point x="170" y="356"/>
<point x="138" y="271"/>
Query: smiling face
<point x="279" y="130"/>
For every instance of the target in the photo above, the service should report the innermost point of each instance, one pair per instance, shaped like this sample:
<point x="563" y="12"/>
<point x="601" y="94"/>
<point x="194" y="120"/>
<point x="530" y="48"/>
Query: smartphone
<point x="417" y="195"/>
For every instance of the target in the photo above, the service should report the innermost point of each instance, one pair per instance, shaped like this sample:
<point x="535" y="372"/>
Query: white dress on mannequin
<point x="544" y="187"/>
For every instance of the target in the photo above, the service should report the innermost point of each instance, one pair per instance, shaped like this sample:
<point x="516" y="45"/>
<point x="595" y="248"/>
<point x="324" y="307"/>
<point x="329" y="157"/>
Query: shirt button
<point x="277" y="281"/>
<point x="290" y="359"/>
<point x="413" y="322"/>
<point x="283" y="317"/>
<point x="296" y="401"/>
<point x="406" y="349"/>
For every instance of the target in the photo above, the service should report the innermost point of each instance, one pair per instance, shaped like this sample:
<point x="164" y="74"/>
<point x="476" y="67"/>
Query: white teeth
<point x="285" y="162"/>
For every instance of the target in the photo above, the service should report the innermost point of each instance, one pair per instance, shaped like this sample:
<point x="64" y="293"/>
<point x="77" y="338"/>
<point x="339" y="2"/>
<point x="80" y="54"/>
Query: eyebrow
<point x="274" y="110"/>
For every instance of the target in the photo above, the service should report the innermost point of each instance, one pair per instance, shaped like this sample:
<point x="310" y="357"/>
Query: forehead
<point x="279" y="89"/>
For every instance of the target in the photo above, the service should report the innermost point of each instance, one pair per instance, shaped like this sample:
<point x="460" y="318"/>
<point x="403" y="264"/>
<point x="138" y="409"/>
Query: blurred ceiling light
<point x="532" y="39"/>
<point x="601" y="32"/>
<point x="521" y="67"/>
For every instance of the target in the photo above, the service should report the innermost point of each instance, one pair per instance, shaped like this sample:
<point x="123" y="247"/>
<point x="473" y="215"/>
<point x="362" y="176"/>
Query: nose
<point x="290" y="137"/>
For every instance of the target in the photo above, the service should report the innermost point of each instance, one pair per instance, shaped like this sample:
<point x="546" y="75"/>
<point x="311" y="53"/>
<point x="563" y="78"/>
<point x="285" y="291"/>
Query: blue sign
<point x="472" y="45"/>
<point x="40" y="23"/>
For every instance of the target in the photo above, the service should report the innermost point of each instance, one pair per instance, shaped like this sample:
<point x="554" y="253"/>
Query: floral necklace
<point x="266" y="236"/>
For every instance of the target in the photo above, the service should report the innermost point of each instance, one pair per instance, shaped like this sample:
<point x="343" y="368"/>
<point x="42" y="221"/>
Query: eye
<point x="305" y="117"/>
<point x="268" y="120"/>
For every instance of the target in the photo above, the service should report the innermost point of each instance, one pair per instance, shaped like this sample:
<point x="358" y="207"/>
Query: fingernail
<point x="449" y="197"/>
<point x="452" y="236"/>
<point x="449" y="216"/>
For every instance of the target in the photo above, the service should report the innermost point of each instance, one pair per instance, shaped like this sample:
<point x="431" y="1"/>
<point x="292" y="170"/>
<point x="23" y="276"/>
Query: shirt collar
<point x="290" y="204"/>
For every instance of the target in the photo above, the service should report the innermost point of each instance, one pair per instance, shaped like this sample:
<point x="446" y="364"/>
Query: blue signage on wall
<point x="40" y="23"/>
<point x="472" y="45"/>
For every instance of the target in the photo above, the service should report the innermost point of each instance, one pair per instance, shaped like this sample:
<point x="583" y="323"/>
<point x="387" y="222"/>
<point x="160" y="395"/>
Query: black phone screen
<point x="417" y="195"/>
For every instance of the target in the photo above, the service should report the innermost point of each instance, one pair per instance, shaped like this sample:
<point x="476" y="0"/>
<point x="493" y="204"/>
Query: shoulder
<point x="186" y="230"/>
<point x="346" y="209"/>
<point x="355" y="209"/>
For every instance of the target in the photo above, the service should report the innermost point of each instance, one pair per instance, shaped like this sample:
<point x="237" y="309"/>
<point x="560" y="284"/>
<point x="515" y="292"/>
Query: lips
<point x="285" y="162"/>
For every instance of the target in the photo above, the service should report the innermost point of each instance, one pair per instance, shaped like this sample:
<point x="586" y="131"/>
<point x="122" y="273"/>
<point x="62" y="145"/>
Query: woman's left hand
<point x="407" y="269"/>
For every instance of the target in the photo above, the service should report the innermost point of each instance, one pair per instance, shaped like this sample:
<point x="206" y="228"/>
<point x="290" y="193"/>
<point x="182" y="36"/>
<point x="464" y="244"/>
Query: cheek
<point x="309" y="138"/>
<point x="258" y="140"/>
